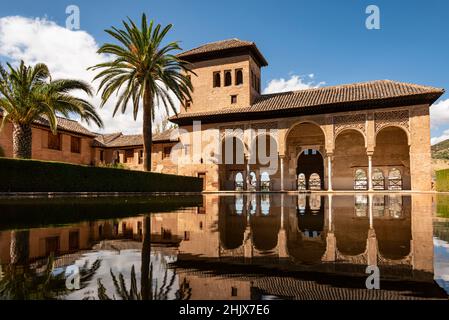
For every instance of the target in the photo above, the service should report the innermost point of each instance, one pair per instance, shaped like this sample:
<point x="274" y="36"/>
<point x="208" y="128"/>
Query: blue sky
<point x="325" y="38"/>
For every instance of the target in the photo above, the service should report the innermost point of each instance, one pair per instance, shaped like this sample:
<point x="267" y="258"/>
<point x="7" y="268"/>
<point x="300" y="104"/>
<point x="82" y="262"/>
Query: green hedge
<point x="442" y="178"/>
<point x="39" y="176"/>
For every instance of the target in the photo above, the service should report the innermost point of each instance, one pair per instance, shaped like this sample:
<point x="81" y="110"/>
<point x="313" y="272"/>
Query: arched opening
<point x="228" y="78"/>
<point x="392" y="153"/>
<point x="238" y="77"/>
<point x="395" y="180"/>
<point x="360" y="180"/>
<point x="378" y="180"/>
<point x="311" y="165"/>
<point x="217" y="80"/>
<point x="232" y="164"/>
<point x="239" y="182"/>
<point x="264" y="159"/>
<point x="302" y="185"/>
<point x="305" y="140"/>
<point x="315" y="182"/>
<point x="253" y="181"/>
<point x="350" y="165"/>
<point x="265" y="182"/>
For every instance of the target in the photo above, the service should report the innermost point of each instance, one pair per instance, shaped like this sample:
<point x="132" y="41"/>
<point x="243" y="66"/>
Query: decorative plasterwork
<point x="350" y="121"/>
<point x="265" y="125"/>
<point x="398" y="118"/>
<point x="232" y="131"/>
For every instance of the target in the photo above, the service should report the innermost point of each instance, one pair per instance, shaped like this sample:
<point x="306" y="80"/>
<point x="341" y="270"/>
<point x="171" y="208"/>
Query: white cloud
<point x="293" y="84"/>
<point x="67" y="53"/>
<point x="439" y="114"/>
<point x="444" y="136"/>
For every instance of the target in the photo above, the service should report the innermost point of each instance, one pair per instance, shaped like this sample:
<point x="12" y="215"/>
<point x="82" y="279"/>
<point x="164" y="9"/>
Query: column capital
<point x="369" y="153"/>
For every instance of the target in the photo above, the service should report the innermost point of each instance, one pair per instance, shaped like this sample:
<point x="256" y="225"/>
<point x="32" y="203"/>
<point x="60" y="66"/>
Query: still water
<point x="257" y="247"/>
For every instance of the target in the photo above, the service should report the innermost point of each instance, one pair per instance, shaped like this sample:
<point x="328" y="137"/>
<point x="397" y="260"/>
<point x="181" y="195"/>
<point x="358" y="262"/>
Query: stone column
<point x="329" y="172"/>
<point x="282" y="173"/>
<point x="248" y="177"/>
<point x="370" y="172"/>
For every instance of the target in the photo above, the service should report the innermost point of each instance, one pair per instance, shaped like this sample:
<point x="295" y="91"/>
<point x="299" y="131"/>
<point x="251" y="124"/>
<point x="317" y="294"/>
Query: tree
<point x="147" y="71"/>
<point x="28" y="93"/>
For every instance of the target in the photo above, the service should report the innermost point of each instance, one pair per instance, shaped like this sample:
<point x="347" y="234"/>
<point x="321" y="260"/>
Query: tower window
<point x="217" y="80"/>
<point x="228" y="78"/>
<point x="238" y="77"/>
<point x="234" y="99"/>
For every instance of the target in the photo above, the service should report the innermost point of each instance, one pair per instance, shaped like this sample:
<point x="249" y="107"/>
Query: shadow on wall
<point x="2" y="153"/>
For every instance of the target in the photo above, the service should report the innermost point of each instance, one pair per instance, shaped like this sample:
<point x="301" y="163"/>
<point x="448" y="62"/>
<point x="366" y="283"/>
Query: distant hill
<point x="441" y="150"/>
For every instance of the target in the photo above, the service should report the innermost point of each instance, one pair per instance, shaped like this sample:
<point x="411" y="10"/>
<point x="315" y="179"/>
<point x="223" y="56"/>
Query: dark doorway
<point x="311" y="167"/>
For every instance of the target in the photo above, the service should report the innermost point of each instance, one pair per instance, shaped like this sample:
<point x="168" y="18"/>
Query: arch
<point x="228" y="79"/>
<point x="395" y="181"/>
<point x="395" y="126"/>
<point x="217" y="80"/>
<point x="349" y="155"/>
<point x="302" y="183"/>
<point x="360" y="179"/>
<point x="265" y="230"/>
<point x="238" y="77"/>
<point x="392" y="151"/>
<point x="298" y="123"/>
<point x="253" y="181"/>
<point x="239" y="181"/>
<point x="231" y="161"/>
<point x="310" y="163"/>
<point x="378" y="179"/>
<point x="365" y="140"/>
<point x="265" y="182"/>
<point x="315" y="182"/>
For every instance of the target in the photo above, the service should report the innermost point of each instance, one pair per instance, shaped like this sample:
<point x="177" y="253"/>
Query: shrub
<point x="442" y="178"/>
<point x="40" y="176"/>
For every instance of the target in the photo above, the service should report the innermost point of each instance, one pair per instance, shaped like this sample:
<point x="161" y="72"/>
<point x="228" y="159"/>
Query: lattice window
<point x="360" y="180"/>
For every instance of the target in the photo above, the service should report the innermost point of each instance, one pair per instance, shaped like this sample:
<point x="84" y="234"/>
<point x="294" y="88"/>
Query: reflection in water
<point x="238" y="247"/>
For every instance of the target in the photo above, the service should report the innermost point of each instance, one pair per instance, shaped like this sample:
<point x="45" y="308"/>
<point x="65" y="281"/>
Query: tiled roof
<point x="63" y="125"/>
<point x="119" y="140"/>
<point x="311" y="99"/>
<point x="66" y="125"/>
<point x="223" y="45"/>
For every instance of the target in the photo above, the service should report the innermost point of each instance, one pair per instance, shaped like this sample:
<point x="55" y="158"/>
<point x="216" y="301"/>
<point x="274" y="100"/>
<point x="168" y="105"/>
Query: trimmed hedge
<point x="442" y="183"/>
<point x="40" y="176"/>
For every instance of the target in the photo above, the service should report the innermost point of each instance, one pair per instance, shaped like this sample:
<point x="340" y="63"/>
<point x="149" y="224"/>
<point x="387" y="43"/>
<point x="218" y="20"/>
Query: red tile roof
<point x="119" y="140"/>
<point x="223" y="45"/>
<point x="365" y="94"/>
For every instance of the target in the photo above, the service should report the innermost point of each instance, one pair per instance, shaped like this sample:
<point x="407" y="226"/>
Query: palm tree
<point x="144" y="70"/>
<point x="28" y="93"/>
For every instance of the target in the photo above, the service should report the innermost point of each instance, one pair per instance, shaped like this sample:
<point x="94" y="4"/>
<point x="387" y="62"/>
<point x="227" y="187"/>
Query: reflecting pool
<point x="239" y="247"/>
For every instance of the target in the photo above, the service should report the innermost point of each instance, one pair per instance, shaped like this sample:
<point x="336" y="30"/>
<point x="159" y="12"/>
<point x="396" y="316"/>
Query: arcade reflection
<point x="249" y="247"/>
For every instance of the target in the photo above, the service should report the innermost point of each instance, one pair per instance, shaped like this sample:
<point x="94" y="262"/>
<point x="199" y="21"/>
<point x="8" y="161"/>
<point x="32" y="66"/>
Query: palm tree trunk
<point x="20" y="247"/>
<point x="22" y="141"/>
<point x="147" y="130"/>
<point x="145" y="273"/>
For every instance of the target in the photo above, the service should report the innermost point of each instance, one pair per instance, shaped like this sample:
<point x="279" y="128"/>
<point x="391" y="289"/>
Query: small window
<point x="129" y="156"/>
<point x="101" y="155"/>
<point x="140" y="156"/>
<point x="186" y="235"/>
<point x="54" y="141"/>
<point x="75" y="144"/>
<point x="234" y="99"/>
<point x="167" y="152"/>
<point x="238" y="77"/>
<point x="228" y="78"/>
<point x="234" y="291"/>
<point x="217" y="80"/>
<point x="188" y="104"/>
